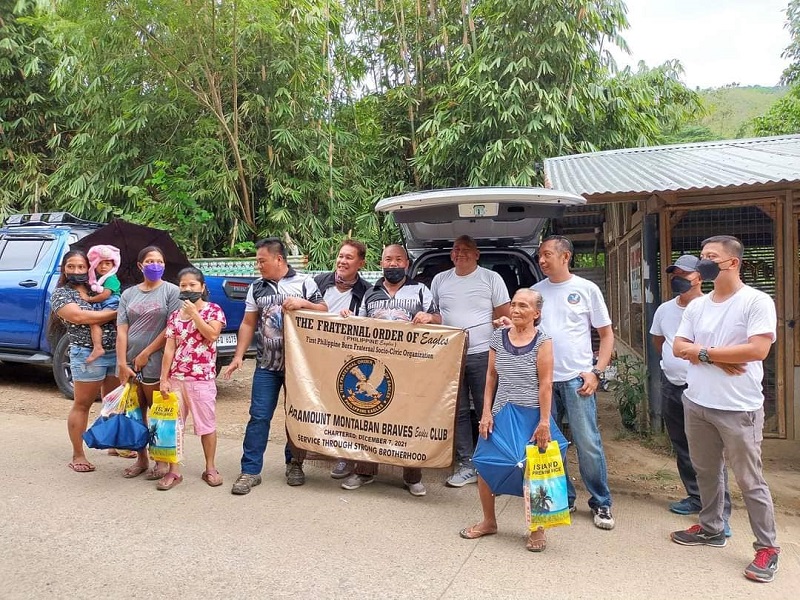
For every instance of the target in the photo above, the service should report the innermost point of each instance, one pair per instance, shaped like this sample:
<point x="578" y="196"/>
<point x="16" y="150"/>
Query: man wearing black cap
<point x="684" y="281"/>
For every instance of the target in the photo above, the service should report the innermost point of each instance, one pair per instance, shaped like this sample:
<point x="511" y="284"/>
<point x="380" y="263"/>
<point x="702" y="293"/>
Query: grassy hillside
<point x="729" y="111"/>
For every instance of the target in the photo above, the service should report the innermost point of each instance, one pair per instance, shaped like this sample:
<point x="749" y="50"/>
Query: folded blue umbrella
<point x="500" y="459"/>
<point x="116" y="431"/>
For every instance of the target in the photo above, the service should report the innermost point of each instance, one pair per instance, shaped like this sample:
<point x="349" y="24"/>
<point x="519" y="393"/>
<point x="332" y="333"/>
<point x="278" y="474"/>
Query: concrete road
<point x="68" y="535"/>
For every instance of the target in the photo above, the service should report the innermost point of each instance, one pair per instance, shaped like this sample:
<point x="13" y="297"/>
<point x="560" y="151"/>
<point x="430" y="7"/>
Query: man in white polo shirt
<point x="685" y="281"/>
<point x="726" y="336"/>
<point x="469" y="297"/>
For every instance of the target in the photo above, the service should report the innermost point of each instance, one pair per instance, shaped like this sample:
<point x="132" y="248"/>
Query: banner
<point x="372" y="390"/>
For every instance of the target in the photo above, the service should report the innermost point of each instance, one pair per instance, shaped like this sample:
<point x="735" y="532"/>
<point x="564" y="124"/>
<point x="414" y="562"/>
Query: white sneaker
<point x="462" y="477"/>
<point x="603" y="518"/>
<point x="416" y="489"/>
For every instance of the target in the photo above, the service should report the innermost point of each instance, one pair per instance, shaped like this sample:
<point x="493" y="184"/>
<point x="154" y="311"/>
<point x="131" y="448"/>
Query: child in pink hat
<point x="104" y="261"/>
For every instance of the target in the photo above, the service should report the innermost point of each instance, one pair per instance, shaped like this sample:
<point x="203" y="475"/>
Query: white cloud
<point x="717" y="41"/>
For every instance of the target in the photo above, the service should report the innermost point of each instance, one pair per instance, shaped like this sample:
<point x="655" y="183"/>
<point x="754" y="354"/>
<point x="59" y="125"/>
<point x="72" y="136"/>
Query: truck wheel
<point x="61" y="370"/>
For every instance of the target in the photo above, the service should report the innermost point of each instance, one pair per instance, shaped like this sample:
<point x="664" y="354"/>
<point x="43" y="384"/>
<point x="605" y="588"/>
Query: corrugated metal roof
<point x="706" y="165"/>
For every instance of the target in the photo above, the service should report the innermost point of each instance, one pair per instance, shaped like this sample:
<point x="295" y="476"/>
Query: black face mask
<point x="680" y="285"/>
<point x="78" y="279"/>
<point x="190" y="296"/>
<point x="708" y="269"/>
<point x="394" y="274"/>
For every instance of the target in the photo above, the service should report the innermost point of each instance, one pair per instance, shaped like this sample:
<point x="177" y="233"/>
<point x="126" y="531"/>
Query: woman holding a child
<point x="69" y="303"/>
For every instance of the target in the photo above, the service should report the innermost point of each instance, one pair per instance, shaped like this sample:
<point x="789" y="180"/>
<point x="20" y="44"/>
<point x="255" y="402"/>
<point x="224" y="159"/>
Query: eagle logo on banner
<point x="365" y="386"/>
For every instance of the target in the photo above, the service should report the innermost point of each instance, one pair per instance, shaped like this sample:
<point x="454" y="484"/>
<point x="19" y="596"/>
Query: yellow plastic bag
<point x="166" y="428"/>
<point x="546" y="503"/>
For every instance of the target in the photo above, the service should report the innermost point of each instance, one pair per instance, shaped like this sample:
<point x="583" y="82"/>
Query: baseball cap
<point x="686" y="262"/>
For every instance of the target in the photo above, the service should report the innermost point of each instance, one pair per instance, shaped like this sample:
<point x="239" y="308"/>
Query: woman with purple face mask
<point x="141" y="322"/>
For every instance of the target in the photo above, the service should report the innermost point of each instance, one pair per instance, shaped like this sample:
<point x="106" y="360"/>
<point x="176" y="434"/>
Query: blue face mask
<point x="153" y="271"/>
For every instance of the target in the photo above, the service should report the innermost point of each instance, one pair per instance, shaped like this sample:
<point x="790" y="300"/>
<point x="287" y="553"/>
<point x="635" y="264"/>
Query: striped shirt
<point x="411" y="298"/>
<point x="517" y="370"/>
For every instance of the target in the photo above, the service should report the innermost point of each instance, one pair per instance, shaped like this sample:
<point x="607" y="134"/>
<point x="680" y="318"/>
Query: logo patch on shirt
<point x="365" y="386"/>
<point x="574" y="298"/>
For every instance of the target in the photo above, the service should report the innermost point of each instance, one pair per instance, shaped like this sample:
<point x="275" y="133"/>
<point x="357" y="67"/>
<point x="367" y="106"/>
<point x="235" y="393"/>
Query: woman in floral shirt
<point x="89" y="379"/>
<point x="190" y="367"/>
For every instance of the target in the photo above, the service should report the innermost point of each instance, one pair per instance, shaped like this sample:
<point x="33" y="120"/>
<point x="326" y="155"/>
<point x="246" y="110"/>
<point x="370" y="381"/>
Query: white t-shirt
<point x="571" y="308"/>
<point x="468" y="301"/>
<point x="337" y="301"/>
<point x="665" y="323"/>
<point x="711" y="324"/>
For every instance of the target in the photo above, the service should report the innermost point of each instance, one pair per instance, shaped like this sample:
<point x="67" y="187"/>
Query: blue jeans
<point x="581" y="411"/>
<point x="263" y="401"/>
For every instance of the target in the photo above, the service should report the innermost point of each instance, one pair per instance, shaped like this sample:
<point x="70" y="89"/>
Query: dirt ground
<point x="636" y="468"/>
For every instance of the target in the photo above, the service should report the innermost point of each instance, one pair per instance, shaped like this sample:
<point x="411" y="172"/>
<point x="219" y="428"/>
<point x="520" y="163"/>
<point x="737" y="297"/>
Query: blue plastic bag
<point x="116" y="431"/>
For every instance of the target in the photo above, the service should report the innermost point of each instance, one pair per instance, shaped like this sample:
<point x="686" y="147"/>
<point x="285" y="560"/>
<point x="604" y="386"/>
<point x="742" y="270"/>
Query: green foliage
<point x="29" y="114"/>
<point x="728" y="112"/>
<point x="231" y="120"/>
<point x="629" y="389"/>
<point x="783" y="117"/>
<point x="791" y="74"/>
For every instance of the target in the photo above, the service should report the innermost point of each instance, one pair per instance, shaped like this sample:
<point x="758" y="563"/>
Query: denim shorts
<point x="97" y="370"/>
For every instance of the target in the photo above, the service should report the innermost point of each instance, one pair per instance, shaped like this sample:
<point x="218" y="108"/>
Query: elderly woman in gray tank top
<point x="521" y="369"/>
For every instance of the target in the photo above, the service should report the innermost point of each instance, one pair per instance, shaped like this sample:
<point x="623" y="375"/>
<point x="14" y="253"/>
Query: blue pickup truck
<point x="31" y="247"/>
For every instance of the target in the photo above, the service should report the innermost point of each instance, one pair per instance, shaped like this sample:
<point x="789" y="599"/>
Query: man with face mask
<point x="725" y="336"/>
<point x="395" y="297"/>
<point x="684" y="281"/>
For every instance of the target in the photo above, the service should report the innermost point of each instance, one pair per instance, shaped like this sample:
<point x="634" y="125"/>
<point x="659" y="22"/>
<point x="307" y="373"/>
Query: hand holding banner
<point x="372" y="390"/>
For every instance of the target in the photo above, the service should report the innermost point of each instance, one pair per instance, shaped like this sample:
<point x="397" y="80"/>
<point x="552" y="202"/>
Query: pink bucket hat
<point x="96" y="255"/>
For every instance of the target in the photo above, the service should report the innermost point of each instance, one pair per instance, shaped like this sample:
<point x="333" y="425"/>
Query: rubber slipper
<point x="536" y="545"/>
<point x="169" y="481"/>
<point x="81" y="467"/>
<point x="468" y="533"/>
<point x="153" y="475"/>
<point x="212" y="478"/>
<point x="133" y="471"/>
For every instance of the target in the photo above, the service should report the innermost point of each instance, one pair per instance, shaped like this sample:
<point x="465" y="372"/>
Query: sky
<point x="718" y="42"/>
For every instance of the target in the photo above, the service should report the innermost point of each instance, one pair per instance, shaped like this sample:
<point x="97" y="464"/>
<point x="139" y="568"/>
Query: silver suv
<point x="506" y="223"/>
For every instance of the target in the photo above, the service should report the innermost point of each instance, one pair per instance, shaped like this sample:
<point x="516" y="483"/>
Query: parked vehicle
<point x="507" y="224"/>
<point x="31" y="248"/>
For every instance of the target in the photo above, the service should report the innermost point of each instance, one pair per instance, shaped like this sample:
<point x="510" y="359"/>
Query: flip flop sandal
<point x="169" y="481"/>
<point x="154" y="475"/>
<point x="468" y="533"/>
<point x="212" y="478"/>
<point x="133" y="471"/>
<point x="536" y="545"/>
<point x="82" y="467"/>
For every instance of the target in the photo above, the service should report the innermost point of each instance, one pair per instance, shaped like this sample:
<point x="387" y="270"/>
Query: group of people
<point x="534" y="349"/>
<point x="467" y="296"/>
<point x="153" y="336"/>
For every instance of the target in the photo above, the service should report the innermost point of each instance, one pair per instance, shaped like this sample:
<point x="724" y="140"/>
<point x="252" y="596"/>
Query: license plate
<point x="227" y="339"/>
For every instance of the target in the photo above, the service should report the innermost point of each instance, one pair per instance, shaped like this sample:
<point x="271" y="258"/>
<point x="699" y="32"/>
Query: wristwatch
<point x="702" y="356"/>
<point x="597" y="372"/>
